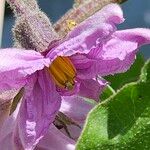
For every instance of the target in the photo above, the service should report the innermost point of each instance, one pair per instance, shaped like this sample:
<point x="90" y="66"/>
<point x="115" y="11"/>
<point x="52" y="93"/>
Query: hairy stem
<point x="22" y="6"/>
<point x="79" y="2"/>
<point x="111" y="89"/>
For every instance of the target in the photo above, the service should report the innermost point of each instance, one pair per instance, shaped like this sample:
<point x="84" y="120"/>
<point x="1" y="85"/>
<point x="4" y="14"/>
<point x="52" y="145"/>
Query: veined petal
<point x="38" y="109"/>
<point x="106" y="18"/>
<point x="7" y="130"/>
<point x="55" y="140"/>
<point x="140" y="36"/>
<point x="75" y="107"/>
<point x="83" y="64"/>
<point x="91" y="88"/>
<point x="16" y="65"/>
<point x="115" y="55"/>
<point x="85" y="35"/>
<point x="118" y="53"/>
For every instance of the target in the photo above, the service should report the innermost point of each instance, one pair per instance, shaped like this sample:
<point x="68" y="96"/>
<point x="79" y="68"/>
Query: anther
<point x="63" y="72"/>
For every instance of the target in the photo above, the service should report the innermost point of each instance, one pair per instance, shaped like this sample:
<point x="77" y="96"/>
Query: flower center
<point x="63" y="72"/>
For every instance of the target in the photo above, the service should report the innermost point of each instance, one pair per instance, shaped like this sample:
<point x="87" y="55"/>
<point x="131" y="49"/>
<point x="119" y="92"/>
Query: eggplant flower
<point x="68" y="67"/>
<point x="55" y="139"/>
<point x="49" y="142"/>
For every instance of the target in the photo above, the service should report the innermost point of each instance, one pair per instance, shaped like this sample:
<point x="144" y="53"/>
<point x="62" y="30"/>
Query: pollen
<point x="71" y="24"/>
<point x="63" y="72"/>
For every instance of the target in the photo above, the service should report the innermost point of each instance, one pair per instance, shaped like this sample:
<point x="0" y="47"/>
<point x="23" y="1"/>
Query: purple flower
<point x="92" y="48"/>
<point x="73" y="106"/>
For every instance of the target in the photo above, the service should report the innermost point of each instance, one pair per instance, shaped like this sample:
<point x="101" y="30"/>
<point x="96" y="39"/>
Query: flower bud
<point x="33" y="30"/>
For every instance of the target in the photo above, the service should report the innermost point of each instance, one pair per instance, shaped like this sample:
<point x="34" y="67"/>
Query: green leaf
<point x="118" y="80"/>
<point x="122" y="121"/>
<point x="107" y="92"/>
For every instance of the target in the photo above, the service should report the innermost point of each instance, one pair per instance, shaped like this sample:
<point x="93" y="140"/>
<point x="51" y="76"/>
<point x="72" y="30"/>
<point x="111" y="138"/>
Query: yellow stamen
<point x="63" y="72"/>
<point x="71" y="24"/>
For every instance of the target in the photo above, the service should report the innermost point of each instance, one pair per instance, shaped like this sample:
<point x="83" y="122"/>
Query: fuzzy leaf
<point x="122" y="121"/>
<point x="107" y="92"/>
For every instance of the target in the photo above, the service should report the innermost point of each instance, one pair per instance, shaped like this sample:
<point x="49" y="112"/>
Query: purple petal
<point x="6" y="143"/>
<point x="6" y="131"/>
<point x="140" y="36"/>
<point x="118" y="53"/>
<point x="66" y="92"/>
<point x="5" y="104"/>
<point x="83" y="64"/>
<point x="91" y="88"/>
<point x="39" y="107"/>
<point x="86" y="34"/>
<point x="114" y="55"/>
<point x="75" y="107"/>
<point x="16" y="65"/>
<point x="55" y="140"/>
<point x="105" y="19"/>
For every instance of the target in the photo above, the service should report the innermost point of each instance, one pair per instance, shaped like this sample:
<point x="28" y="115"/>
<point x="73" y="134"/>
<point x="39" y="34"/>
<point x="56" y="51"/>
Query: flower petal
<point x="5" y="105"/>
<point x="39" y="107"/>
<point x="91" y="88"/>
<point x="85" y="35"/>
<point x="83" y="64"/>
<point x="118" y="53"/>
<point x="115" y="55"/>
<point x="105" y="19"/>
<point x="16" y="65"/>
<point x="6" y="131"/>
<point x="75" y="107"/>
<point x="140" y="36"/>
<point x="55" y="140"/>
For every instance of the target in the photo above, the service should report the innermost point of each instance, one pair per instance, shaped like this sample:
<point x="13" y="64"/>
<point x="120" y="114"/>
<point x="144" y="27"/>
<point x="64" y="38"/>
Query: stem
<point x="111" y="89"/>
<point x="80" y="13"/>
<point x="22" y="6"/>
<point x="2" y="6"/>
<point x="108" y="86"/>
